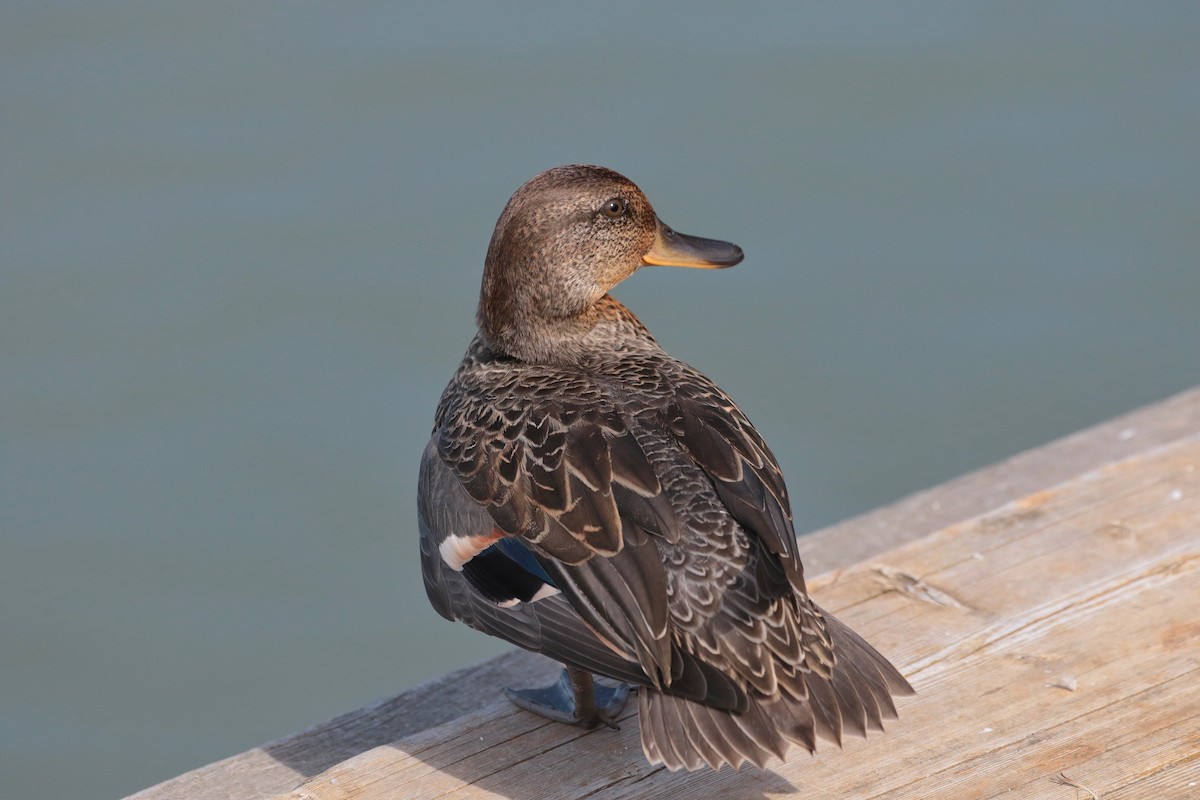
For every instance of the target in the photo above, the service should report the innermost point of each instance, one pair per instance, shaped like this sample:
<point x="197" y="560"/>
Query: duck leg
<point x="575" y="698"/>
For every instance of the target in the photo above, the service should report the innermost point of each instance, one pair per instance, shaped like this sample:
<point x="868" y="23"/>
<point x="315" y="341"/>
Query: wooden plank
<point x="984" y="490"/>
<point x="279" y="766"/>
<point x="1057" y="635"/>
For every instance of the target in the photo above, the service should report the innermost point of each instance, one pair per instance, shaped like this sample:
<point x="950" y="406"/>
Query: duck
<point x="587" y="496"/>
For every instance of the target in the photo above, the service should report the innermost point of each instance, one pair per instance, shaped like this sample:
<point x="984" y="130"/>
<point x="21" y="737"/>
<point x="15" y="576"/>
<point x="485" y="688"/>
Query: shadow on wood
<point x="440" y="700"/>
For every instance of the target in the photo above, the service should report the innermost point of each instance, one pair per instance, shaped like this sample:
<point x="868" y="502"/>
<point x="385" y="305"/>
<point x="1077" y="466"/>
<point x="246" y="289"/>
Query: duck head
<point x="567" y="237"/>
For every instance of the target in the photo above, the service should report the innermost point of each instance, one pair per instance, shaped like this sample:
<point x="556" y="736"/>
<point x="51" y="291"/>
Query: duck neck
<point x="605" y="327"/>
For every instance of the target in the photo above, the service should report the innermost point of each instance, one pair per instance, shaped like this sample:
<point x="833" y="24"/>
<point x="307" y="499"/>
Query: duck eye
<point x="614" y="208"/>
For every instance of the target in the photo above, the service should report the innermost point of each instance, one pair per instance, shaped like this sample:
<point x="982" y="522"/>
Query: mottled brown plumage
<point x="588" y="496"/>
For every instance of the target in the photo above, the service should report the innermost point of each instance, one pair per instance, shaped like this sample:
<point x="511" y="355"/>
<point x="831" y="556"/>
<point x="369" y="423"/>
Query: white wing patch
<point x="458" y="550"/>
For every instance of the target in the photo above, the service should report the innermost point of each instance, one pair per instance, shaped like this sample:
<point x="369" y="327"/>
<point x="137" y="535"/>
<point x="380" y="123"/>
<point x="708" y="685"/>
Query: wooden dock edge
<point x="281" y="766"/>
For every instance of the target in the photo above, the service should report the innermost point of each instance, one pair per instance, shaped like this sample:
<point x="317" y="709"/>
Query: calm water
<point x="241" y="248"/>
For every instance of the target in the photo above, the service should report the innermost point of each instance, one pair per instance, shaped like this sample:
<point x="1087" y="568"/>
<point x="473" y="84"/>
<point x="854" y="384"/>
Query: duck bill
<point x="673" y="249"/>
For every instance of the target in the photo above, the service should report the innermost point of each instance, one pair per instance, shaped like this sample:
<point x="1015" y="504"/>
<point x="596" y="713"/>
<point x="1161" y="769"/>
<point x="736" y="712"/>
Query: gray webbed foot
<point x="574" y="699"/>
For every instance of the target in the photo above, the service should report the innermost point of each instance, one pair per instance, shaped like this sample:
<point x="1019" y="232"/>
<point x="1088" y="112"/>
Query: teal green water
<point x="242" y="244"/>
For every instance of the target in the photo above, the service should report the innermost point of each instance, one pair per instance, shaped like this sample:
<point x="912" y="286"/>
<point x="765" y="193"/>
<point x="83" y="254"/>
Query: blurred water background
<point x="241" y="249"/>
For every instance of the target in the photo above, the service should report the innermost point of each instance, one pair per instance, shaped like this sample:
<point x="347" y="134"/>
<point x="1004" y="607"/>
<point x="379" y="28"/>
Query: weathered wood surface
<point x="1058" y="632"/>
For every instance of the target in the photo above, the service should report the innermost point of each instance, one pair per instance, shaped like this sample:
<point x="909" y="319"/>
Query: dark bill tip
<point x="673" y="249"/>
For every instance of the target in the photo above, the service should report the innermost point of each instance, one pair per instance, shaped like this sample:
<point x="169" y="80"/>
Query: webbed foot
<point x="574" y="699"/>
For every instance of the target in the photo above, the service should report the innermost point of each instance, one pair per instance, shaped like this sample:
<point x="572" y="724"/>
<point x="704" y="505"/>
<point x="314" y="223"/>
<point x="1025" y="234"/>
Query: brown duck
<point x="587" y="496"/>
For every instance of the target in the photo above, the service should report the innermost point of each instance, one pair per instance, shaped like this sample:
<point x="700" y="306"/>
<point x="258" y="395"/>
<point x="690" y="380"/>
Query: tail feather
<point x="873" y="674"/>
<point x="680" y="718"/>
<point x="763" y="730"/>
<point x="722" y="742"/>
<point x="854" y="712"/>
<point x="698" y="749"/>
<point x="857" y="696"/>
<point x="825" y="709"/>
